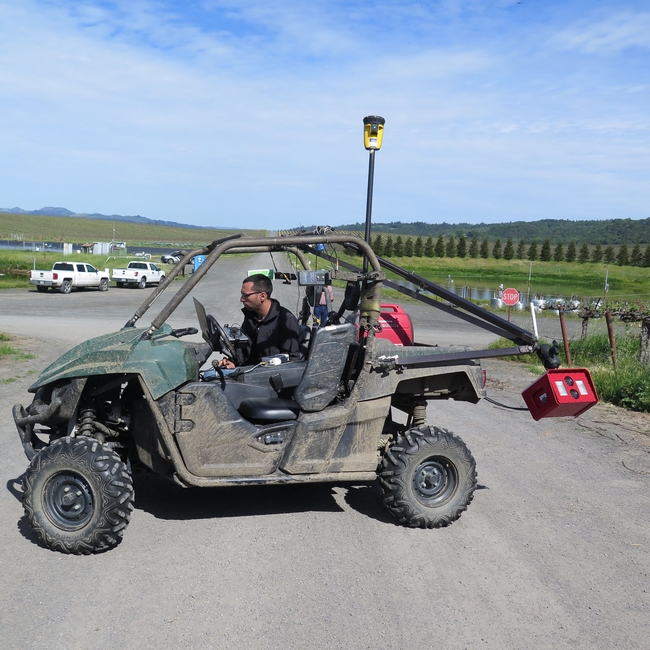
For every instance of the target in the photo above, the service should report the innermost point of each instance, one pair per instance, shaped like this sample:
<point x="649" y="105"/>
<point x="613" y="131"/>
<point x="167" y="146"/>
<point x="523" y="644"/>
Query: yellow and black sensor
<point x="373" y="132"/>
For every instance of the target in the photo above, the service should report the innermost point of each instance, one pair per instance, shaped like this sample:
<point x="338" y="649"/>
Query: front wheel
<point x="66" y="286"/>
<point x="78" y="496"/>
<point x="143" y="283"/>
<point x="103" y="284"/>
<point x="427" y="477"/>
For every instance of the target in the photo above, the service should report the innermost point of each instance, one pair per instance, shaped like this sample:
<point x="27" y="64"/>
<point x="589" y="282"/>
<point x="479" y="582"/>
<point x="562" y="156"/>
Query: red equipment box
<point x="561" y="392"/>
<point x="395" y="325"/>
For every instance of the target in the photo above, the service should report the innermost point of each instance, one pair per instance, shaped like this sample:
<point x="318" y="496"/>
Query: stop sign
<point x="510" y="297"/>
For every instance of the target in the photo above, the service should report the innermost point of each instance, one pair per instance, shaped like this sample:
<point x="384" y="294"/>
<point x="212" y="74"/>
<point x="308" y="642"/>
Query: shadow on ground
<point x="166" y="500"/>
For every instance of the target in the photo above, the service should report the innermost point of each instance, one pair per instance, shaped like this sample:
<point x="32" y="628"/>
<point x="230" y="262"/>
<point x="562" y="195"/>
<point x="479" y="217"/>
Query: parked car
<point x="138" y="274"/>
<point x="171" y="258"/>
<point x="66" y="276"/>
<point x="174" y="257"/>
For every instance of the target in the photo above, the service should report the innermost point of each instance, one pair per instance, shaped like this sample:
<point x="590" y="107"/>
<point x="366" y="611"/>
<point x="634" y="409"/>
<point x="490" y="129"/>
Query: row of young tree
<point x="386" y="246"/>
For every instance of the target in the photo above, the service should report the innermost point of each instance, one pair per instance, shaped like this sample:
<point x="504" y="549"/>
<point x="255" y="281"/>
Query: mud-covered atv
<point x="140" y="397"/>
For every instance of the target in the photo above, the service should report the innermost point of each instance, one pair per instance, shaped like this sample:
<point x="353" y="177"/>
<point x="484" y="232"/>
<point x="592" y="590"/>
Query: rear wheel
<point x="41" y="289"/>
<point x="78" y="496"/>
<point x="427" y="477"/>
<point x="143" y="283"/>
<point x="103" y="284"/>
<point x="66" y="286"/>
<point x="120" y="285"/>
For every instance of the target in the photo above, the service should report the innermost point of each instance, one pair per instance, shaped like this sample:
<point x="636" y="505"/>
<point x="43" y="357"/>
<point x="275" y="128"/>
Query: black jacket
<point x="277" y="333"/>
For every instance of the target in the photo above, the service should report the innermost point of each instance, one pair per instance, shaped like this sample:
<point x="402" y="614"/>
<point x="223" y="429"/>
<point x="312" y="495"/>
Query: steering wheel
<point x="218" y="337"/>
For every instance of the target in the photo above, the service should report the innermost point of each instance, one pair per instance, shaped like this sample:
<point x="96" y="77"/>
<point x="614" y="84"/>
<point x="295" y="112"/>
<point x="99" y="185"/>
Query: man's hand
<point x="226" y="363"/>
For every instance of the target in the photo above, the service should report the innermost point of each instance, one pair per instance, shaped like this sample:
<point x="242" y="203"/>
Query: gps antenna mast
<point x="373" y="133"/>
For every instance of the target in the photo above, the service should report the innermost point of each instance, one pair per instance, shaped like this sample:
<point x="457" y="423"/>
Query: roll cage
<point x="370" y="283"/>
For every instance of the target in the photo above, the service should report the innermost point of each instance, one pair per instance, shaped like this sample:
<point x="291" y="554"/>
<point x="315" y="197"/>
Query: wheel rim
<point x="435" y="480"/>
<point x="68" y="501"/>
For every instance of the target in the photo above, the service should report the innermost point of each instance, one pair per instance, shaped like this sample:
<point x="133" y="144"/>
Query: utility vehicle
<point x="148" y="397"/>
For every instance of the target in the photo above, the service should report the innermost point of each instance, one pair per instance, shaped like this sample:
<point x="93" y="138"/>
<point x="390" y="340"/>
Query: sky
<point x="250" y="113"/>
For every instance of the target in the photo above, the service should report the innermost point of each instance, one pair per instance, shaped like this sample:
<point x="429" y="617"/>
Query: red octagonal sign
<point x="510" y="297"/>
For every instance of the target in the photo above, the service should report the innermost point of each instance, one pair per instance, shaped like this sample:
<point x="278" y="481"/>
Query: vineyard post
<point x="644" y="351"/>
<point x="612" y="339"/>
<point x="565" y="338"/>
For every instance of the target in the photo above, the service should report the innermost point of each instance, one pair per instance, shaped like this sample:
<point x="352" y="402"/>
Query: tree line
<point x="463" y="247"/>
<point x="605" y="231"/>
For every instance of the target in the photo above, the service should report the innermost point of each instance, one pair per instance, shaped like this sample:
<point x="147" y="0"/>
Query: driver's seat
<point x="319" y="385"/>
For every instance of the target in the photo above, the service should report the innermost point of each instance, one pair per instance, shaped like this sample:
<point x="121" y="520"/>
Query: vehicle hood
<point x="163" y="361"/>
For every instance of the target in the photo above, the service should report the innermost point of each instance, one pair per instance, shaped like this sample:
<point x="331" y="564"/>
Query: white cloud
<point x="613" y="34"/>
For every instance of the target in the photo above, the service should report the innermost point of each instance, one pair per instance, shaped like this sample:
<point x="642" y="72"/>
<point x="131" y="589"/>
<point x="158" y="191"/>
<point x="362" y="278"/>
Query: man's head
<point x="256" y="294"/>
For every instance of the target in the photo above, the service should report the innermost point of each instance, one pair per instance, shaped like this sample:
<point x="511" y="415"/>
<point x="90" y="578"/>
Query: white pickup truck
<point x="138" y="274"/>
<point x="66" y="276"/>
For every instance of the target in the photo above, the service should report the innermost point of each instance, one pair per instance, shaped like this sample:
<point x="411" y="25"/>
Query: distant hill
<point x="55" y="212"/>
<point x="606" y="231"/>
<point x="64" y="212"/>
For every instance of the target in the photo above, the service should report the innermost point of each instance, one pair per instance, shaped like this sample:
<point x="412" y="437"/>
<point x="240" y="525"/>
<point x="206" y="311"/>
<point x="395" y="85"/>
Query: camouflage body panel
<point x="163" y="362"/>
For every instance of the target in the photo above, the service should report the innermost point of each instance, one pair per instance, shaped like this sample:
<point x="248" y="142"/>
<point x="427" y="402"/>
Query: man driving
<point x="272" y="329"/>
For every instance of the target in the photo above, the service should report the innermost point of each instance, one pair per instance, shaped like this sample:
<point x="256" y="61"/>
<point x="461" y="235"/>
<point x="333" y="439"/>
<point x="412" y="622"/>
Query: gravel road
<point x="552" y="553"/>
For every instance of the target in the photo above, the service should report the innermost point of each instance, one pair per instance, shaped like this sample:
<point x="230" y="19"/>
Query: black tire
<point x="41" y="289"/>
<point x="66" y="286"/>
<point x="162" y="279"/>
<point x="427" y="477"/>
<point x="120" y="284"/>
<point x="78" y="496"/>
<point x="103" y="284"/>
<point x="143" y="283"/>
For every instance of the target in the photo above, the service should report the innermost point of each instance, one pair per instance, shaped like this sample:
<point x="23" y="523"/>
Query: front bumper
<point x="25" y="425"/>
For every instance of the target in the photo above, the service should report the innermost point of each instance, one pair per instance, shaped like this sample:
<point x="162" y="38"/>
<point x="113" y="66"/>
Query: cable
<point x="505" y="406"/>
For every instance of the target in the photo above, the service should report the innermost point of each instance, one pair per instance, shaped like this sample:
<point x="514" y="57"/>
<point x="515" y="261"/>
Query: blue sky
<point x="249" y="114"/>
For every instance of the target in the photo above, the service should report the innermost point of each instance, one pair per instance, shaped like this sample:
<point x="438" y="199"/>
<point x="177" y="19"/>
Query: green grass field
<point x="564" y="276"/>
<point x="79" y="230"/>
<point x="15" y="265"/>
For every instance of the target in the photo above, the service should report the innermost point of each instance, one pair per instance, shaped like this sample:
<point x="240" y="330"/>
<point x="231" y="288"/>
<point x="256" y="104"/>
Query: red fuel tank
<point x="395" y="325"/>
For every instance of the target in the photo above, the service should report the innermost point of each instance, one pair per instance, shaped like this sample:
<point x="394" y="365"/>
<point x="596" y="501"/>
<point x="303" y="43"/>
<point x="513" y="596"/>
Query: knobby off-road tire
<point x="66" y="286"/>
<point x="427" y="477"/>
<point x="78" y="496"/>
<point x="142" y="284"/>
<point x="103" y="284"/>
